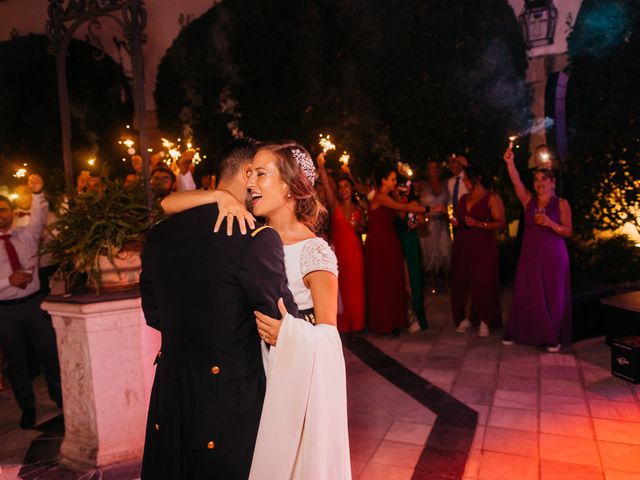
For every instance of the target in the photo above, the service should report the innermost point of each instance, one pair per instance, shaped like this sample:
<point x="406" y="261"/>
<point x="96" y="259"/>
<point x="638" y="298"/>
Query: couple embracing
<point x="250" y="380"/>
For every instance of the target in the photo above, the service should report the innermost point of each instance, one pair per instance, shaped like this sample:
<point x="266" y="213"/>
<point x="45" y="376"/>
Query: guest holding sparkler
<point x="475" y="266"/>
<point x="541" y="309"/>
<point x="386" y="310"/>
<point x="347" y="223"/>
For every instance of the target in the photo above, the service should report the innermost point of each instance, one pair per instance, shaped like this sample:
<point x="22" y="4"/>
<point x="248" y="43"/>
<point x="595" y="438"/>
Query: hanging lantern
<point x="538" y="21"/>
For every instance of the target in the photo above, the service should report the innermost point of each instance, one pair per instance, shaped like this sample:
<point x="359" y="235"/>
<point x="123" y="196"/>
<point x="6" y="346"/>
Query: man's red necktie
<point x="11" y="252"/>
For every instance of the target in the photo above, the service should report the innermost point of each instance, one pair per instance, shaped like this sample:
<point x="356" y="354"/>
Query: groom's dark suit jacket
<point x="200" y="290"/>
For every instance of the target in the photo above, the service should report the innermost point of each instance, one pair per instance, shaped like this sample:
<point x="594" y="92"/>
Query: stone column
<point x="106" y="356"/>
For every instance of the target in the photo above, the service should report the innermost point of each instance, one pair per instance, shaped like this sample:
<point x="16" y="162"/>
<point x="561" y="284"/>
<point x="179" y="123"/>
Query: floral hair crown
<point x="306" y="163"/>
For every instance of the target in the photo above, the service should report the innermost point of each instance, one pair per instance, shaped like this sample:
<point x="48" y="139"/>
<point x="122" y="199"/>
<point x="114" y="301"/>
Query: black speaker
<point x="625" y="358"/>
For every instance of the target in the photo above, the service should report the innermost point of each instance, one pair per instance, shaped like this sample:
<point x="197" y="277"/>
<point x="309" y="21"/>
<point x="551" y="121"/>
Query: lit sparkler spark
<point x="545" y="157"/>
<point x="344" y="158"/>
<point x="20" y="173"/>
<point x="512" y="139"/>
<point x="129" y="143"/>
<point x="405" y="169"/>
<point x="325" y="143"/>
<point x="91" y="162"/>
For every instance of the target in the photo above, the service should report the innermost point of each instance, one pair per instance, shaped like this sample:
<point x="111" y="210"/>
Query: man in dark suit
<point x="200" y="289"/>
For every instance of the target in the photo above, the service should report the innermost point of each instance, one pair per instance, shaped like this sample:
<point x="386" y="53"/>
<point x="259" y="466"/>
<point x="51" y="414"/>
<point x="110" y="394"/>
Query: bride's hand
<point x="268" y="327"/>
<point x="229" y="207"/>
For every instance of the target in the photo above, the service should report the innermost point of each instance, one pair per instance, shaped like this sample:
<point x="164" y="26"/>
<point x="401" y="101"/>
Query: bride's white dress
<point x="303" y="429"/>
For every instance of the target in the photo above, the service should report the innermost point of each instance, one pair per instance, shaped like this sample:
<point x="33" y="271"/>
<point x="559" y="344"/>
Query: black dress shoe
<point x="28" y="419"/>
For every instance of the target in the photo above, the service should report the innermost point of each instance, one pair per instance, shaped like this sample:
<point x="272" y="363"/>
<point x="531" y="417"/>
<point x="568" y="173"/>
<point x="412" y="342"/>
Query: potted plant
<point x="100" y="233"/>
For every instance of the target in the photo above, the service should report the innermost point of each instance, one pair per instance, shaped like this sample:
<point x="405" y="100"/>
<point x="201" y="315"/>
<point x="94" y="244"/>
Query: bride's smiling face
<point x="266" y="186"/>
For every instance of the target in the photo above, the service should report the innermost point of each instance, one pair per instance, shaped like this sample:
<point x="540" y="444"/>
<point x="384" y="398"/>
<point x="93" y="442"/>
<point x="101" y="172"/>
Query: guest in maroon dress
<point x="347" y="223"/>
<point x="384" y="263"/>
<point x="541" y="308"/>
<point x="475" y="266"/>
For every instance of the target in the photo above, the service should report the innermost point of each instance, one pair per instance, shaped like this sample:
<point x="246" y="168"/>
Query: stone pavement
<point x="438" y="405"/>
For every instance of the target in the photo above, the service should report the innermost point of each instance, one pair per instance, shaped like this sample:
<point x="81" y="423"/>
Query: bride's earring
<point x="289" y="195"/>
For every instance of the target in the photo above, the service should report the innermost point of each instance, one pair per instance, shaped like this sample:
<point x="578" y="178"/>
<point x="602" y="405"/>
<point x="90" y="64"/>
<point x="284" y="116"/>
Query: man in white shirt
<point x="455" y="185"/>
<point x="22" y="321"/>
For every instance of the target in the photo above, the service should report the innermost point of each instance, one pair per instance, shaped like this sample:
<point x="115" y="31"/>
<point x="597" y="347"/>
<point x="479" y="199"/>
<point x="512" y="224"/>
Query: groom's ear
<point x="246" y="171"/>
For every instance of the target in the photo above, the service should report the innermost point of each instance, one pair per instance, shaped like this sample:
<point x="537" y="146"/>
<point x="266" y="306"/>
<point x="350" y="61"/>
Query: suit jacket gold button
<point x="215" y="369"/>
<point x="157" y="427"/>
<point x="211" y="445"/>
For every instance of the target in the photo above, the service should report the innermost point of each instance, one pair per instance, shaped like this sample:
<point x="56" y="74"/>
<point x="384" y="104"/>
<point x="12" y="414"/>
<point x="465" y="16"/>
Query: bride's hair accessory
<point x="306" y="163"/>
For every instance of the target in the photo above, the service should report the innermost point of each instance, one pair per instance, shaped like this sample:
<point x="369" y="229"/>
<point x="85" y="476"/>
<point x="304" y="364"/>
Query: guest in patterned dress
<point x="435" y="239"/>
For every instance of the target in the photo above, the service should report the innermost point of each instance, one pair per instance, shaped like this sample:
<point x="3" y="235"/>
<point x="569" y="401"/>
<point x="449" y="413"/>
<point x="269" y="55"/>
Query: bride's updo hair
<point x="298" y="171"/>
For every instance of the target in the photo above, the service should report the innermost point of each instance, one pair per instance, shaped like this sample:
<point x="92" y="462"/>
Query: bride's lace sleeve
<point x="317" y="255"/>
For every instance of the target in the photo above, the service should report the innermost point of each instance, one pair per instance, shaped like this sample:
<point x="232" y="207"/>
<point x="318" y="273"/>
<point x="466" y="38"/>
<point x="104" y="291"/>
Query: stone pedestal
<point x="106" y="353"/>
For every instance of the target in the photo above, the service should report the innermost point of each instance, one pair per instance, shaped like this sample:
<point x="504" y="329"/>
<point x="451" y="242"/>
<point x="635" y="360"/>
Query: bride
<point x="303" y="427"/>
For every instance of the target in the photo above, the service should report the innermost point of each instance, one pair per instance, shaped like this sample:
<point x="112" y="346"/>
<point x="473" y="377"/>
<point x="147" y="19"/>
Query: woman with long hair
<point x="475" y="263"/>
<point x="541" y="308"/>
<point x="347" y="223"/>
<point x="384" y="262"/>
<point x="303" y="427"/>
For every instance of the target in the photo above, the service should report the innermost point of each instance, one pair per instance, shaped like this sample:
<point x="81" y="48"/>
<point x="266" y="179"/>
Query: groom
<point x="200" y="289"/>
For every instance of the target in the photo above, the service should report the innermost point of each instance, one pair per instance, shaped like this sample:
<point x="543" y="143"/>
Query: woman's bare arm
<point x="228" y="205"/>
<point x="326" y="181"/>
<point x="387" y="201"/>
<point x="522" y="193"/>
<point x="324" y="292"/>
<point x="181" y="201"/>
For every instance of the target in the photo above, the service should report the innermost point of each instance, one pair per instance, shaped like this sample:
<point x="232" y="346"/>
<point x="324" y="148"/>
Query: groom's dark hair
<point x="234" y="156"/>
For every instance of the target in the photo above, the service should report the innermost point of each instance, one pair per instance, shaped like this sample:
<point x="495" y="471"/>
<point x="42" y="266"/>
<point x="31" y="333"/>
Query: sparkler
<point x="344" y="158"/>
<point x="405" y="169"/>
<point x="91" y="162"/>
<point x="512" y="139"/>
<point x="325" y="143"/>
<point x="20" y="173"/>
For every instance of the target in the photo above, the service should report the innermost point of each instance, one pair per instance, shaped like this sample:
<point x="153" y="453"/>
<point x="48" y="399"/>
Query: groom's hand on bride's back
<point x="268" y="327"/>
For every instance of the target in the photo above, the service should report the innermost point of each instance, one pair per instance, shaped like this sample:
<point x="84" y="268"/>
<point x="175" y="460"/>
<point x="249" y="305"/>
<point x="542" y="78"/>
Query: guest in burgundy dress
<point x="541" y="308"/>
<point x="475" y="266"/>
<point x="384" y="263"/>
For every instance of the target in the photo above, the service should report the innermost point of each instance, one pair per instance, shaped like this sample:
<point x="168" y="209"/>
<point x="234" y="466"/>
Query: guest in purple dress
<point x="541" y="309"/>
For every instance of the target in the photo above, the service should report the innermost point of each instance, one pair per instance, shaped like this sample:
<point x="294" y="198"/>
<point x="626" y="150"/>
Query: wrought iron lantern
<point x="538" y="21"/>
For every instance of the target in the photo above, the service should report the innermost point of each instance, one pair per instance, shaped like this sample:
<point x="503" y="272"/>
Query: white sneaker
<point x="463" y="326"/>
<point x="507" y="343"/>
<point x="483" y="331"/>
<point x="553" y="348"/>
